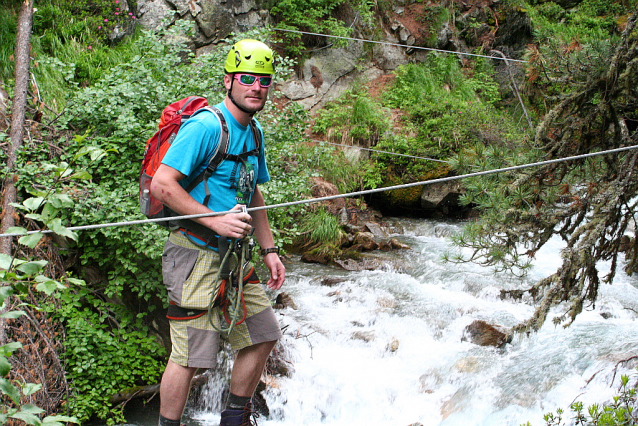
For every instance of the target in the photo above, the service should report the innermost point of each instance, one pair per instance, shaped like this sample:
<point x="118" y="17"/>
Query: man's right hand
<point x="166" y="188"/>
<point x="233" y="225"/>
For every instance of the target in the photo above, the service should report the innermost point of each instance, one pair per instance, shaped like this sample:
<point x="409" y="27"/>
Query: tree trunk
<point x="16" y="133"/>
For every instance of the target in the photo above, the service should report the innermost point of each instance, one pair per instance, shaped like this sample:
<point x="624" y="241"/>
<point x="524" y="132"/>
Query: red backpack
<point x="172" y="118"/>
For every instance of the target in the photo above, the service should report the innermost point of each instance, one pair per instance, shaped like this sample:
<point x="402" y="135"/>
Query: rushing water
<point x="384" y="347"/>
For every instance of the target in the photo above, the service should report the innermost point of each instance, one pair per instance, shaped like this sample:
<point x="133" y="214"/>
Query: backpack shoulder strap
<point x="222" y="146"/>
<point x="257" y="136"/>
<point x="218" y="155"/>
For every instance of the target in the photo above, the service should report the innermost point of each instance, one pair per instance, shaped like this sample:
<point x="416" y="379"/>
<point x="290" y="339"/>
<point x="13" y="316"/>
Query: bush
<point x="620" y="412"/>
<point x="353" y="119"/>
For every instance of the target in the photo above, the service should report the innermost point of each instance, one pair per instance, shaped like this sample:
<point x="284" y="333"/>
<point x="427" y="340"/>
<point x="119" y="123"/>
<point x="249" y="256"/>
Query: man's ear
<point x="228" y="79"/>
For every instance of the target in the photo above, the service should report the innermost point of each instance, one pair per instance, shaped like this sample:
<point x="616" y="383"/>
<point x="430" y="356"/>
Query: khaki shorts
<point x="189" y="274"/>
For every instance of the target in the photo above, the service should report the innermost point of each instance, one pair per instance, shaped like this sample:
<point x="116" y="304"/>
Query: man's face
<point x="251" y="97"/>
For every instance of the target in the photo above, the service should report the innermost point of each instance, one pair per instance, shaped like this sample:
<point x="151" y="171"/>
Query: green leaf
<point x="5" y="367"/>
<point x="31" y="240"/>
<point x="59" y="420"/>
<point x="81" y="175"/>
<point x="31" y="409"/>
<point x="5" y="261"/>
<point x="56" y="226"/>
<point x="9" y="348"/>
<point x="5" y="291"/>
<point x="49" y="212"/>
<point x="28" y="418"/>
<point x="9" y="390"/>
<point x="31" y="388"/>
<point x="49" y="286"/>
<point x="32" y="268"/>
<point x="12" y="314"/>
<point x="16" y="230"/>
<point x="17" y="206"/>
<point x="76" y="281"/>
<point x="60" y="201"/>
<point x="34" y="203"/>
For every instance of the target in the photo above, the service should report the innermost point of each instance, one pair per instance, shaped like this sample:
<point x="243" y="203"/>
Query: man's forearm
<point x="260" y="222"/>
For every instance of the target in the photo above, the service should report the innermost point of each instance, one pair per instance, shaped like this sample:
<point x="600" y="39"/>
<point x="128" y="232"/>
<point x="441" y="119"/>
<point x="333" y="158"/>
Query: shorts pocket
<point x="177" y="265"/>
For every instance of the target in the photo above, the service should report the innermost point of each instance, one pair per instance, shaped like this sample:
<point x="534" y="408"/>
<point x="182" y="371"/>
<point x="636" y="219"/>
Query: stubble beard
<point x="245" y="106"/>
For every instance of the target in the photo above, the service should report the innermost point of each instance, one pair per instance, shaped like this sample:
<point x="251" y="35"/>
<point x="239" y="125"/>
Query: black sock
<point x="236" y="402"/>
<point x="163" y="421"/>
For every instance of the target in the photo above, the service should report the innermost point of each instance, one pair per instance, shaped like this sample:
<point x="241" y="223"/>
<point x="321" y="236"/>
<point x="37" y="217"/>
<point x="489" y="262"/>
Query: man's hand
<point x="277" y="271"/>
<point x="233" y="225"/>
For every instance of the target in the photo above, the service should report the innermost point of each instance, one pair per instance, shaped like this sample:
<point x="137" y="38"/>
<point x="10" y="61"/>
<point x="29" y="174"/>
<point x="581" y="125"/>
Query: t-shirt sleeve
<point x="194" y="144"/>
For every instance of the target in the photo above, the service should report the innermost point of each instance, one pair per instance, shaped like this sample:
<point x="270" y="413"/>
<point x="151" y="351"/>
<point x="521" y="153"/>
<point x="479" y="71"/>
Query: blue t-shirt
<point x="194" y="146"/>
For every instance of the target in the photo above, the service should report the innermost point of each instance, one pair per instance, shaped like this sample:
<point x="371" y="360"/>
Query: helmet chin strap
<point x="241" y="108"/>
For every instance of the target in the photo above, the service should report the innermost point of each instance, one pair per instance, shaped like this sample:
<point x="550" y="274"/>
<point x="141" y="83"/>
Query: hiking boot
<point x="244" y="417"/>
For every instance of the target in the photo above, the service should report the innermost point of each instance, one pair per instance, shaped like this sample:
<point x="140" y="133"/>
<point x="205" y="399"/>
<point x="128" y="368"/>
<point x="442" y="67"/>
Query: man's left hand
<point x="277" y="271"/>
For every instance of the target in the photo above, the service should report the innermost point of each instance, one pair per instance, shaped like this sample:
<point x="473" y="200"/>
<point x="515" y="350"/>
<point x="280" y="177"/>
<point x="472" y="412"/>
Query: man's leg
<point x="174" y="390"/>
<point x="248" y="367"/>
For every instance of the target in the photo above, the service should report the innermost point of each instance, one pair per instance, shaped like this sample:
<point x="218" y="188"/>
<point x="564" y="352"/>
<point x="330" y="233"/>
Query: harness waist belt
<point x="209" y="240"/>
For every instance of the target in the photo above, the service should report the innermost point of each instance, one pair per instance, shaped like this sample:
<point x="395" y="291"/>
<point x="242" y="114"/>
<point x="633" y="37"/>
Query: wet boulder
<point x="284" y="300"/>
<point x="364" y="241"/>
<point x="484" y="334"/>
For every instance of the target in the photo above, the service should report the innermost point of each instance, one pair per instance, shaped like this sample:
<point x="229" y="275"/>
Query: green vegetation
<point x="620" y="412"/>
<point x="73" y="47"/>
<point x="109" y="350"/>
<point x="591" y="21"/>
<point x="443" y="110"/>
<point x="80" y="167"/>
<point x="353" y="119"/>
<point x="87" y="172"/>
<point x="334" y="17"/>
<point x="320" y="229"/>
<point x="18" y="276"/>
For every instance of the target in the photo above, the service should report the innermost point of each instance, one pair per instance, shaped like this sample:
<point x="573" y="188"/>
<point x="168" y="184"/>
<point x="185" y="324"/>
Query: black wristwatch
<point x="265" y="251"/>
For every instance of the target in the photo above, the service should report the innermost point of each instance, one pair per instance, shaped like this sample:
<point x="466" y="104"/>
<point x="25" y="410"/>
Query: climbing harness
<point x="228" y="288"/>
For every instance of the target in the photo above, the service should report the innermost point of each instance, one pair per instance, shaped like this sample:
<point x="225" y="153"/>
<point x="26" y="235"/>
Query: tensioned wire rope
<point x="407" y="46"/>
<point x="396" y="45"/>
<point x="332" y="197"/>
<point x="352" y="194"/>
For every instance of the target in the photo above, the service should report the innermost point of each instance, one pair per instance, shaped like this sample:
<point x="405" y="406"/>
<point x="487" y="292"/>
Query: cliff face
<point x="455" y="25"/>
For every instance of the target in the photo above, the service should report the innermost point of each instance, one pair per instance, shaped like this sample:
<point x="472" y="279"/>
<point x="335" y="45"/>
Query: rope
<point x="400" y="45"/>
<point x="379" y="151"/>
<point x="348" y="195"/>
<point x="228" y="297"/>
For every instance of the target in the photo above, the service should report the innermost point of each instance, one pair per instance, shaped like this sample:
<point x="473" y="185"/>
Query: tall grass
<point x="320" y="229"/>
<point x="69" y="46"/>
<point x="8" y="22"/>
<point x="353" y="119"/>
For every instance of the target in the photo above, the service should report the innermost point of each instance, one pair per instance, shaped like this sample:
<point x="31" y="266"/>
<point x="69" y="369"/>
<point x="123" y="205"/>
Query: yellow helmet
<point x="250" y="56"/>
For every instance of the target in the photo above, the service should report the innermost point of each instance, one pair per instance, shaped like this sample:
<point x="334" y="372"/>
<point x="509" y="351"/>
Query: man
<point x="190" y="263"/>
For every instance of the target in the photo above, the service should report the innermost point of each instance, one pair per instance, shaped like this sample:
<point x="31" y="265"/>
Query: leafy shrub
<point x="316" y="16"/>
<point x="591" y="21"/>
<point x="619" y="412"/>
<point x="353" y="119"/>
<point x="115" y="116"/>
<point x="108" y="349"/>
<point x="19" y="277"/>
<point x="447" y="110"/>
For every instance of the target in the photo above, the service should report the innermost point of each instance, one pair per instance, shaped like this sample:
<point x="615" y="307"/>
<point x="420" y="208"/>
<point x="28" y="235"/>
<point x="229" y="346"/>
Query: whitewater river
<point x="384" y="347"/>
